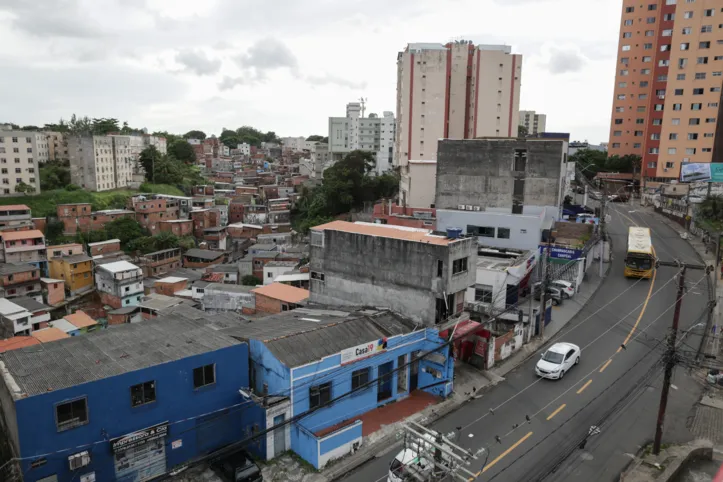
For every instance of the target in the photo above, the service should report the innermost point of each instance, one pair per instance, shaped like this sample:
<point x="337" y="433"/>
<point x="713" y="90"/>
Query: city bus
<point x="639" y="259"/>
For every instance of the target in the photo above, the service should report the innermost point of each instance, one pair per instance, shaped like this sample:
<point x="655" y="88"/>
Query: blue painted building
<point x="127" y="403"/>
<point x="308" y="357"/>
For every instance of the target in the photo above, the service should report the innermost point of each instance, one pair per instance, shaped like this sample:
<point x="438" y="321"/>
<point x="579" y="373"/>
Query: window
<point x="700" y="76"/>
<point x="692" y="136"/>
<point x="484" y="231"/>
<point x="616" y="145"/>
<point x="650" y="20"/>
<point x="628" y="22"/>
<point x="648" y="46"/>
<point x="702" y="60"/>
<point x="483" y="293"/>
<point x="459" y="265"/>
<point x="623" y="72"/>
<point x="319" y="395"/>
<point x="710" y="120"/>
<point x="672" y="150"/>
<point x="698" y="91"/>
<point x="629" y="9"/>
<point x="520" y="160"/>
<point x="685" y="46"/>
<point x="706" y="29"/>
<point x="675" y="122"/>
<point x="688" y="14"/>
<point x="696" y="106"/>
<point x="503" y="233"/>
<point x="617" y="133"/>
<point x="686" y="30"/>
<point x="678" y="92"/>
<point x="682" y="63"/>
<point x="680" y="77"/>
<point x="627" y="34"/>
<point x="712" y="104"/>
<point x="654" y="150"/>
<point x="667" y="32"/>
<point x="143" y="393"/>
<point x="655" y="137"/>
<point x="618" y="121"/>
<point x="205" y="375"/>
<point x="669" y="17"/>
<point x="640" y="121"/>
<point x="360" y="377"/>
<point x="709" y="12"/>
<point x="716" y="74"/>
<point x="673" y="136"/>
<point x="690" y="150"/>
<point x="621" y="96"/>
<point x="653" y="6"/>
<point x="670" y="2"/>
<point x="641" y="96"/>
<point x="626" y="48"/>
<point x="647" y="59"/>
<point x="644" y="83"/>
<point x="620" y="109"/>
<point x="658" y="107"/>
<point x="669" y="164"/>
<point x="71" y="414"/>
<point x="638" y="134"/>
<point x="622" y="85"/>
<point x="677" y="106"/>
<point x="636" y="145"/>
<point x="704" y="45"/>
<point x="624" y="60"/>
<point x="665" y="47"/>
<point x="645" y="71"/>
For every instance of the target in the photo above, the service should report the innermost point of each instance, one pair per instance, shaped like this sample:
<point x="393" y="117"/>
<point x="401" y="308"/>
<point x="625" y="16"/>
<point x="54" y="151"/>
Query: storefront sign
<point x="701" y="171"/>
<point x="561" y="253"/>
<point x="177" y="444"/>
<point x="361" y="351"/>
<point x="141" y="437"/>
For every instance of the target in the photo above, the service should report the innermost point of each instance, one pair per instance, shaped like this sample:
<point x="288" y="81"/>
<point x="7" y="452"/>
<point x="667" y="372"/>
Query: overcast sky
<point x="286" y="65"/>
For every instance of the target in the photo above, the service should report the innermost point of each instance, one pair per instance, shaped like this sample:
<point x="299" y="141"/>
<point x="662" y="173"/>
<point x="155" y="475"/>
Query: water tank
<point x="454" y="233"/>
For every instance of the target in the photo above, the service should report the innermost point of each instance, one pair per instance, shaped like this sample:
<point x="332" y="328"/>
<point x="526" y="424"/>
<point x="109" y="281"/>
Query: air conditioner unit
<point x="79" y="460"/>
<point x="665" y="169"/>
<point x="478" y="208"/>
<point x="460" y="207"/>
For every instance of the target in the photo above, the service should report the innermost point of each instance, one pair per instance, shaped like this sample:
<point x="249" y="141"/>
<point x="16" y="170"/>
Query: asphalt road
<point x="607" y="389"/>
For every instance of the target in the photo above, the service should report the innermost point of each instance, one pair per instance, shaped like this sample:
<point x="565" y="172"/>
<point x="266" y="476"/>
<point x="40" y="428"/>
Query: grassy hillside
<point x="44" y="204"/>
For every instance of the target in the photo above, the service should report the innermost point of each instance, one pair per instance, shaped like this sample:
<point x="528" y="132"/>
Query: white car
<point x="567" y="288"/>
<point x="557" y="360"/>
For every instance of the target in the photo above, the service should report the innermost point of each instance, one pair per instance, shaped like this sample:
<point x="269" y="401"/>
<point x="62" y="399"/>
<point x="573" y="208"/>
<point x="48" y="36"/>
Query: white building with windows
<point x="534" y="122"/>
<point x="356" y="132"/>
<point x="20" y="153"/>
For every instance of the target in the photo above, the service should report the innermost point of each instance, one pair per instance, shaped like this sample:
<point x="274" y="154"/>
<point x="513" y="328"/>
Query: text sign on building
<point x="701" y="171"/>
<point x="561" y="253"/>
<point x="361" y="351"/>
<point x="141" y="437"/>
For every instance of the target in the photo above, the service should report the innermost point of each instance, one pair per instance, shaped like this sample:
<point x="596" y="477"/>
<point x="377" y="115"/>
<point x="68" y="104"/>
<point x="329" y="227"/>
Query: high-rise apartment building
<point x="667" y="100"/>
<point x="20" y="153"/>
<point x="57" y="146"/>
<point x="454" y="91"/>
<point x="101" y="163"/>
<point x="356" y="132"/>
<point x="534" y="123"/>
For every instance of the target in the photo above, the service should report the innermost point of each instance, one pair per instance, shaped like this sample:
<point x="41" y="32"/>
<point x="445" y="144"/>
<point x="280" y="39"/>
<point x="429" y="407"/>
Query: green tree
<point x="250" y="280"/>
<point x="170" y="138"/>
<point x="165" y="240"/>
<point x="183" y="151"/>
<point x="54" y="232"/>
<point x="30" y="128"/>
<point x="315" y="138"/>
<point x="589" y="161"/>
<point x="104" y="126"/>
<point x="711" y="209"/>
<point x="186" y="242"/>
<point x="194" y="135"/>
<point x="54" y="176"/>
<point x="167" y="171"/>
<point x="229" y="138"/>
<point x="148" y="159"/>
<point x="125" y="229"/>
<point x="24" y="188"/>
<point x="522" y="131"/>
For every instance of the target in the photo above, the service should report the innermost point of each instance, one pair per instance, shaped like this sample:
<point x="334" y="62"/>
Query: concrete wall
<point x="478" y="172"/>
<point x="386" y="272"/>
<point x="218" y="300"/>
<point x="418" y="184"/>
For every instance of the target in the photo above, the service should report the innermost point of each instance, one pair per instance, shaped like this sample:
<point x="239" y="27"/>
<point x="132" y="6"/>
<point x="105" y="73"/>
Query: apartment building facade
<point x="91" y="162"/>
<point x="534" y="122"/>
<point x="454" y="91"/>
<point x="119" y="284"/>
<point x="667" y="98"/>
<point x="20" y="154"/>
<point x="57" y="146"/>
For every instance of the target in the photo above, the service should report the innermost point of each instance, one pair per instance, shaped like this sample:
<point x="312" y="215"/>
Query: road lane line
<point x="606" y="365"/>
<point x="503" y="454"/>
<point x="642" y="311"/>
<point x="587" y="384"/>
<point x="559" y="409"/>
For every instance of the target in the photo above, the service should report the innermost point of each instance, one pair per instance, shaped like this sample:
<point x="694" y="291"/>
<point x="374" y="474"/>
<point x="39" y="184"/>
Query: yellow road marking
<point x="645" y="305"/>
<point x="502" y="455"/>
<point x="587" y="384"/>
<point x="606" y="365"/>
<point x="559" y="409"/>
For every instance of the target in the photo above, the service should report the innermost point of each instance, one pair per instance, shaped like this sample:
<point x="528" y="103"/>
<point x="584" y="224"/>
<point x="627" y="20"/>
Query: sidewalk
<point x="469" y="383"/>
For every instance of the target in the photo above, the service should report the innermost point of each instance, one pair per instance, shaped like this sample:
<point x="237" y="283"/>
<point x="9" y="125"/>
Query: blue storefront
<point x="128" y="403"/>
<point x="367" y="359"/>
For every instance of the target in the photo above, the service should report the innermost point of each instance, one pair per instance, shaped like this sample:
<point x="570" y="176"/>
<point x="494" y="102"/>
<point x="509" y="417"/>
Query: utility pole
<point x="670" y="354"/>
<point x="543" y="287"/>
<point x="603" y="202"/>
<point x="713" y="308"/>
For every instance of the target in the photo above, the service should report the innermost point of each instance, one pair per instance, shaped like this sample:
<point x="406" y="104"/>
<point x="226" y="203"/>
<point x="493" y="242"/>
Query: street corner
<point x="666" y="465"/>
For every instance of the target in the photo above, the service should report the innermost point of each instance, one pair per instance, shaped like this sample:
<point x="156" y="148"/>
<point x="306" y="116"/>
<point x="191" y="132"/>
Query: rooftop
<point x="263" y="247"/>
<point x="12" y="268"/>
<point x="14" y="207"/>
<point x="51" y="280"/>
<point x="119" y="266"/>
<point x="279" y="291"/>
<point x="80" y="319"/>
<point x="17" y="235"/>
<point x="225" y="268"/>
<point x="215" y="229"/>
<point x="74" y="258"/>
<point x="289" y="277"/>
<point x="171" y="279"/>
<point x="157" y="301"/>
<point x="228" y="288"/>
<point x="49" y="334"/>
<point x="29" y="304"/>
<point x="100" y="243"/>
<point x="8" y="308"/>
<point x="105" y="353"/>
<point x="387" y="231"/>
<point x="17" y="342"/>
<point x="203" y="254"/>
<point x="281" y="264"/>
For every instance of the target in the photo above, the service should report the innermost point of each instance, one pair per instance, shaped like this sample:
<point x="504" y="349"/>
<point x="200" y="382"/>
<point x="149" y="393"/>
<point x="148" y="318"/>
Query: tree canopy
<point x="54" y="175"/>
<point x="194" y="135"/>
<point x="246" y="134"/>
<point x="711" y="211"/>
<point x="183" y="151"/>
<point x="347" y="186"/>
<point x="522" y="131"/>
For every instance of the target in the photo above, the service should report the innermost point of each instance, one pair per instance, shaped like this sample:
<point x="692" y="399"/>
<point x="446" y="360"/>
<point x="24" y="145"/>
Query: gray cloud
<point x="228" y="83"/>
<point x="197" y="62"/>
<point x="266" y="55"/>
<point x="564" y="61"/>
<point x="329" y="79"/>
<point x="64" y="19"/>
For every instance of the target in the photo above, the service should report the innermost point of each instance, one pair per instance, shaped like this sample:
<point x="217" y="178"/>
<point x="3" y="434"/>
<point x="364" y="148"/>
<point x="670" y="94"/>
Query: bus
<point x="639" y="259"/>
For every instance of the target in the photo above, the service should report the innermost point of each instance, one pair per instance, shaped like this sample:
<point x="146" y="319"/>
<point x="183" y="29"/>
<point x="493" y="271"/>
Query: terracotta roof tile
<point x="279" y="291"/>
<point x="386" y="231"/>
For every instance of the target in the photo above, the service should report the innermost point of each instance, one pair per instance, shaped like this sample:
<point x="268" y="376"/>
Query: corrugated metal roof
<point x="30" y="304"/>
<point x="119" y="266"/>
<point x="203" y="254"/>
<point x="105" y="353"/>
<point x="12" y="268"/>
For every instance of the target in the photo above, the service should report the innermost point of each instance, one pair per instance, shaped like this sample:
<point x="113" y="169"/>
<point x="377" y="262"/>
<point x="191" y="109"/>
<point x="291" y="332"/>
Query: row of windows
<point x="15" y="139"/>
<point x="488" y="231"/>
<point x="16" y="149"/>
<point x="75" y="412"/>
<point x="18" y="180"/>
<point x="18" y="170"/>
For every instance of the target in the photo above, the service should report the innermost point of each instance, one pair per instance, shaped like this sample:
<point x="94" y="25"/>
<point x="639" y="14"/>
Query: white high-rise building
<point x="356" y="132"/>
<point x="20" y="153"/>
<point x="533" y="122"/>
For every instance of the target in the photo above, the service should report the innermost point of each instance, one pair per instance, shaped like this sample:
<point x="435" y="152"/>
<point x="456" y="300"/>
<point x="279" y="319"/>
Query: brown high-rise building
<point x="454" y="91"/>
<point x="667" y="101"/>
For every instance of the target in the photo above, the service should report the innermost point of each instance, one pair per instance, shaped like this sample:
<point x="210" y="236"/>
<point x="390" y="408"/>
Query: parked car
<point x="552" y="293"/>
<point x="567" y="288"/>
<point x="557" y="360"/>
<point x="237" y="467"/>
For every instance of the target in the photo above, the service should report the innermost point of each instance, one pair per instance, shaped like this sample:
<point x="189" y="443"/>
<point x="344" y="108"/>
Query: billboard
<point x="701" y="171"/>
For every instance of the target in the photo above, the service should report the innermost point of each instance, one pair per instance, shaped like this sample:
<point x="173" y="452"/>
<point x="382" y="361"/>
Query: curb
<point x="671" y="460"/>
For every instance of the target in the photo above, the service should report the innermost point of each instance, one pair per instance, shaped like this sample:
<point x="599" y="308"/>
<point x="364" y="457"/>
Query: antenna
<point x="363" y="101"/>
